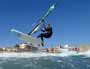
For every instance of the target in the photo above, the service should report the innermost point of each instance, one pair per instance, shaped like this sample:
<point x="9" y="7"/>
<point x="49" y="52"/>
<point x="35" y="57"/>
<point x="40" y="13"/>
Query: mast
<point x="42" y="20"/>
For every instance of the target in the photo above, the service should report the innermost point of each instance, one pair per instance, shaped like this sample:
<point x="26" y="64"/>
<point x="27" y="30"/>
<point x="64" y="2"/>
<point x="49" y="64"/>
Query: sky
<point x="70" y="20"/>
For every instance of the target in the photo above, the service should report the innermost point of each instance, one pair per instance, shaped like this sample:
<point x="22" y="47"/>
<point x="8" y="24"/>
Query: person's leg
<point x="42" y="43"/>
<point x="42" y="40"/>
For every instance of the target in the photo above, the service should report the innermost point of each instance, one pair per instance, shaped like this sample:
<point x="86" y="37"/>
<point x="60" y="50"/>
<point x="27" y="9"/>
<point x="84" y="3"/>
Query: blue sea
<point x="27" y="60"/>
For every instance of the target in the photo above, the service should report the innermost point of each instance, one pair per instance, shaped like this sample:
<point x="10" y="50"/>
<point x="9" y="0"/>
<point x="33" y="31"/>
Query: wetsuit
<point x="47" y="33"/>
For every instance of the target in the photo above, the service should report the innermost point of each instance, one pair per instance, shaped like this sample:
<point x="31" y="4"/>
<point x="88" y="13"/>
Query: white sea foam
<point x="29" y="54"/>
<point x="86" y="53"/>
<point x="41" y="54"/>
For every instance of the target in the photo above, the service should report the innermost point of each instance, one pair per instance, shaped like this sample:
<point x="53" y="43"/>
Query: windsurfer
<point x="46" y="33"/>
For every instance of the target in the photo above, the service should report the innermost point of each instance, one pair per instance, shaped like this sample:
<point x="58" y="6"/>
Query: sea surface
<point x="39" y="60"/>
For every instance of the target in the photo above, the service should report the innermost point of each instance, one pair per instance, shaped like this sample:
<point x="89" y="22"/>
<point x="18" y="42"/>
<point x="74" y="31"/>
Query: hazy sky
<point x="70" y="20"/>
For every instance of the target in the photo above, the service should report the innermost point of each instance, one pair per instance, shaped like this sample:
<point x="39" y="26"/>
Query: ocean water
<point x="39" y="60"/>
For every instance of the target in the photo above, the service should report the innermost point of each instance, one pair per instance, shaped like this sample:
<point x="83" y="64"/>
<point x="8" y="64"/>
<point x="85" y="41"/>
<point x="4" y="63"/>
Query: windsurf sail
<point x="41" y="22"/>
<point x="49" y="11"/>
<point x="36" y="27"/>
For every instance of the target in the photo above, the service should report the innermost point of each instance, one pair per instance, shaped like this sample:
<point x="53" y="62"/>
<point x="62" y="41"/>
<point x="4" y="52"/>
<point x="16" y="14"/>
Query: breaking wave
<point x="28" y="60"/>
<point x="42" y="54"/>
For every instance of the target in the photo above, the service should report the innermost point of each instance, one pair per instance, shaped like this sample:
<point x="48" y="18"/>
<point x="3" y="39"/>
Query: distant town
<point x="57" y="49"/>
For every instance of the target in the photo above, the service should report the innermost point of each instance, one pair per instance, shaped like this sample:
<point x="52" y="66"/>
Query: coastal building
<point x="84" y="48"/>
<point x="25" y="47"/>
<point x="56" y="49"/>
